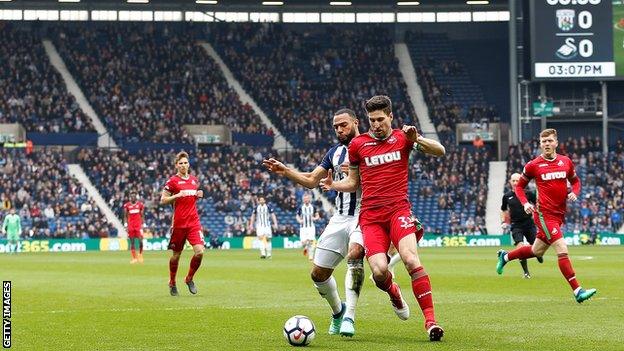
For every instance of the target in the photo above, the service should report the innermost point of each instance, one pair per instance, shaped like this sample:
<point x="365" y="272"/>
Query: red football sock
<point x="195" y="263"/>
<point x="173" y="269"/>
<point x="421" y="286"/>
<point x="565" y="266"/>
<point x="386" y="284"/>
<point x="525" y="251"/>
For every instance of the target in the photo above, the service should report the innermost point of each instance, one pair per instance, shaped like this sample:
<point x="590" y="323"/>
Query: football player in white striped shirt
<point x="342" y="236"/>
<point x="306" y="216"/>
<point x="262" y="216"/>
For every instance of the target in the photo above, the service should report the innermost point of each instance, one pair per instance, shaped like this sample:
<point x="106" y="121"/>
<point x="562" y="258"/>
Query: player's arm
<point x="575" y="182"/>
<point x="519" y="190"/>
<point x="251" y="220"/>
<point x="19" y="226"/>
<point x="422" y="144"/>
<point x="274" y="218"/>
<point x="504" y="213"/>
<point x="299" y="218"/>
<point x="166" y="198"/>
<point x="316" y="217"/>
<point x="307" y="179"/>
<point x="4" y="224"/>
<point x="347" y="185"/>
<point x="125" y="219"/>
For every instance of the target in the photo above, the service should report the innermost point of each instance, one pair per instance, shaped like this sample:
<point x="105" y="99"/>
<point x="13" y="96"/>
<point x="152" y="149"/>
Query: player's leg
<point x="140" y="241"/>
<point x="269" y="243"/>
<point x="262" y="239"/>
<point x="354" y="280"/>
<point x="196" y="239"/>
<point x="325" y="284"/>
<point x="176" y="245"/>
<point x="565" y="266"/>
<point x="517" y="234"/>
<point x="12" y="245"/>
<point x="132" y="248"/>
<point x="405" y="233"/>
<point x="522" y="252"/>
<point x="394" y="259"/>
<point x="530" y="234"/>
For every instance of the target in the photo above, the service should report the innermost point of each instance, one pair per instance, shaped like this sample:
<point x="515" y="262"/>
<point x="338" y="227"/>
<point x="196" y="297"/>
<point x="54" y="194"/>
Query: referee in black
<point x="522" y="225"/>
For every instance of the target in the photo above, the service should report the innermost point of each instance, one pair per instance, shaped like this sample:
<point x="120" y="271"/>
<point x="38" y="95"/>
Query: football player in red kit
<point x="133" y="220"/>
<point x="182" y="191"/>
<point x="379" y="161"/>
<point x="551" y="172"/>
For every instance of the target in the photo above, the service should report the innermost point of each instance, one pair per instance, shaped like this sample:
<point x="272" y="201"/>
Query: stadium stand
<point x="449" y="196"/>
<point x="232" y="178"/>
<point x="31" y="91"/>
<point x="449" y="91"/>
<point x="146" y="81"/>
<point x="300" y="75"/>
<point x="49" y="201"/>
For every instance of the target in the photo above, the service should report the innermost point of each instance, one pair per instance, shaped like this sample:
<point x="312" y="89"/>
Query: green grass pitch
<point x="98" y="301"/>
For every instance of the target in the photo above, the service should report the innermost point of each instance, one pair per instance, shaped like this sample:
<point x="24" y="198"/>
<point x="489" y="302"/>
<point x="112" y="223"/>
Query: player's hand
<point x="529" y="208"/>
<point x="326" y="183"/>
<point x="504" y="226"/>
<point x="200" y="194"/>
<point x="125" y="225"/>
<point x="572" y="196"/>
<point x="411" y="132"/>
<point x="275" y="166"/>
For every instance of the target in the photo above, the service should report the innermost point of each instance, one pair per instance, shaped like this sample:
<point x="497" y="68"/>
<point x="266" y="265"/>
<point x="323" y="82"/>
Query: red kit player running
<point x="551" y="173"/>
<point x="379" y="160"/>
<point x="133" y="220"/>
<point x="182" y="190"/>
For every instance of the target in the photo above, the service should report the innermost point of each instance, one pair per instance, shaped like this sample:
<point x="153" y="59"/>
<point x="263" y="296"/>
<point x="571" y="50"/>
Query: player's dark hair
<point x="181" y="155"/>
<point x="348" y="111"/>
<point x="547" y="132"/>
<point x="379" y="102"/>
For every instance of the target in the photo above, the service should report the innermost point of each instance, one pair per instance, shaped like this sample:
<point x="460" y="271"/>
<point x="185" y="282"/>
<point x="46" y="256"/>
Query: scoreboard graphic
<point x="577" y="39"/>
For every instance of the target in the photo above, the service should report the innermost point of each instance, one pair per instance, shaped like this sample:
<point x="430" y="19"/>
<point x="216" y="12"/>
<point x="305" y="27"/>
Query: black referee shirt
<point x="516" y="210"/>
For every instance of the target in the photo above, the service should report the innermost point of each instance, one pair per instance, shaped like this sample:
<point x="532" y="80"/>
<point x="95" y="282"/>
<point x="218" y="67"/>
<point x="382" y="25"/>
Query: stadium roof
<point x="257" y="5"/>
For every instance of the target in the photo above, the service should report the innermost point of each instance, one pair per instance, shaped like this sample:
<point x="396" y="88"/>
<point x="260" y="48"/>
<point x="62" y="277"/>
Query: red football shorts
<point x="180" y="235"/>
<point x="135" y="233"/>
<point x="378" y="235"/>
<point x="548" y="228"/>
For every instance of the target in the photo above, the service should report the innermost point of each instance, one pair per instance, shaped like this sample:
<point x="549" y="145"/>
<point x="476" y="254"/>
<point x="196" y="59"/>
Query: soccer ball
<point x="299" y="331"/>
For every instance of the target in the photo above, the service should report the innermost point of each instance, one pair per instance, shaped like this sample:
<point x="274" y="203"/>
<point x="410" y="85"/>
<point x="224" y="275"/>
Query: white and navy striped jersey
<point x="346" y="203"/>
<point x="306" y="212"/>
<point x="263" y="215"/>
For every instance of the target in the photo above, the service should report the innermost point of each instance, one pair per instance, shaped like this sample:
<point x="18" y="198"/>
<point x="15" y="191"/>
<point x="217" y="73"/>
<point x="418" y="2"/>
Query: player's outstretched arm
<point x="426" y="145"/>
<point x="307" y="179"/>
<point x="347" y="185"/>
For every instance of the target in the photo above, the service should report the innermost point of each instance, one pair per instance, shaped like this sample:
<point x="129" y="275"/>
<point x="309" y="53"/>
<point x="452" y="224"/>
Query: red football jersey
<point x="133" y="212"/>
<point x="383" y="166"/>
<point x="184" y="209"/>
<point x="551" y="178"/>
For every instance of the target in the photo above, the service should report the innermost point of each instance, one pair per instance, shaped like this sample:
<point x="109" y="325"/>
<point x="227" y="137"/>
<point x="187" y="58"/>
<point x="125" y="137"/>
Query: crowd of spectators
<point x="50" y="202"/>
<point x="599" y="208"/>
<point x="32" y="92"/>
<point x="300" y="76"/>
<point x="146" y="81"/>
<point x="232" y="178"/>
<point x="459" y="182"/>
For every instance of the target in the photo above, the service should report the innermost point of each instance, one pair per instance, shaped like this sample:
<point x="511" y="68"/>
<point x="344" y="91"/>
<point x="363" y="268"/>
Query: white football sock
<point x="329" y="291"/>
<point x="353" y="284"/>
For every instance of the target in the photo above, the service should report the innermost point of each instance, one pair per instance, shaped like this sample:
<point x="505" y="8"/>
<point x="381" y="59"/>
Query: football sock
<point x="173" y="270"/>
<point x="525" y="251"/>
<point x="565" y="266"/>
<point x="525" y="267"/>
<point x="140" y="246"/>
<point x="329" y="291"/>
<point x="396" y="258"/>
<point x="421" y="286"/>
<point x="132" y="249"/>
<point x="269" y="247"/>
<point x="353" y="284"/>
<point x="195" y="263"/>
